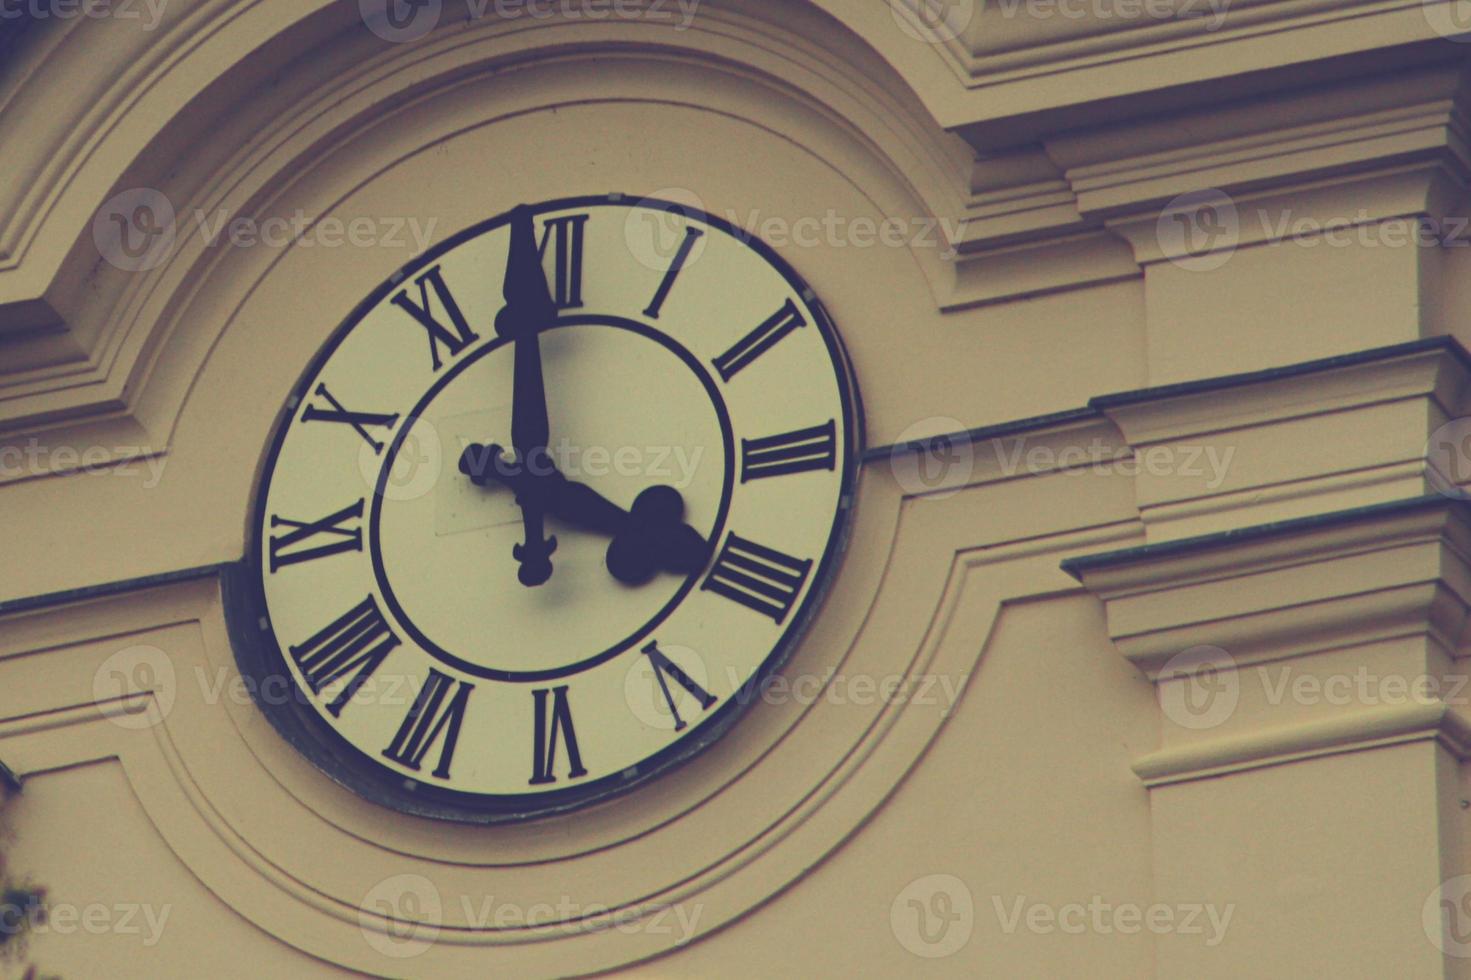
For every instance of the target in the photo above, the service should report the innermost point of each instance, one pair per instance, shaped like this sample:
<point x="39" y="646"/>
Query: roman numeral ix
<point x="356" y="643"/>
<point x="435" y="716"/>
<point x="338" y="538"/>
<point x="759" y="578"/>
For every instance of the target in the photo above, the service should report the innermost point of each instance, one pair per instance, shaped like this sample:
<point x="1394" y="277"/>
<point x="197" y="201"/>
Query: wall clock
<point x="547" y="509"/>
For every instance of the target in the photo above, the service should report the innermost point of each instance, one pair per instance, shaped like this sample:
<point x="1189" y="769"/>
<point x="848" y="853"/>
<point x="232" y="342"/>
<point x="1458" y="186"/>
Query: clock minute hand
<point x="528" y="310"/>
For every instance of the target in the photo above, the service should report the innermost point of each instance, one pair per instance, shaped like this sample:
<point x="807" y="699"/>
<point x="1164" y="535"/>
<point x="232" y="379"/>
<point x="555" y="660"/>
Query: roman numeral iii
<point x="762" y="579"/>
<point x="791" y="452"/>
<point x="340" y="415"/>
<point x="431" y="720"/>
<point x="565" y="235"/>
<point x="760" y="340"/>
<point x="356" y="643"/>
<point x="453" y="338"/>
<point x="337" y="537"/>
<point x="553" y="725"/>
<point x="666" y="668"/>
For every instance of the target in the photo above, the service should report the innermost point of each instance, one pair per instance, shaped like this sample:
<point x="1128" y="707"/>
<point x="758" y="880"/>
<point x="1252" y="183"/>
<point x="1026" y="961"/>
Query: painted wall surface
<point x="1146" y="654"/>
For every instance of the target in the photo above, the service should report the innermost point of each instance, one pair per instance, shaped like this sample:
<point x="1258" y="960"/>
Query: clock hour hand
<point x="527" y="312"/>
<point x="648" y="538"/>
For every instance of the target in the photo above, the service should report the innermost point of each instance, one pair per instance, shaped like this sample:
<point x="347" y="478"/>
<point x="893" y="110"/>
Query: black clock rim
<point x="261" y="659"/>
<point x="722" y="512"/>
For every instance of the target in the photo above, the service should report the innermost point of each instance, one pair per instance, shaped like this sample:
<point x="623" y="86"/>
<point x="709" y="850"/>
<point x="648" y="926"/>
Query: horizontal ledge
<point x="1357" y="732"/>
<point x="1077" y="567"/>
<point x="1100" y="404"/>
<point x="107" y="589"/>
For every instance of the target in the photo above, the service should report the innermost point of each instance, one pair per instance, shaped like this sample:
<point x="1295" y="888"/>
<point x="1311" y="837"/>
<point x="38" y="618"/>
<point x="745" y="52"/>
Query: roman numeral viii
<point x="435" y="717"/>
<point x="340" y="415"/>
<point x="553" y="725"/>
<point x="566" y="235"/>
<point x="791" y="452"/>
<point x="356" y="643"/>
<point x="337" y="537"/>
<point x="666" y="668"/>
<point x="455" y="337"/>
<point x="760" y="340"/>
<point x="761" y="579"/>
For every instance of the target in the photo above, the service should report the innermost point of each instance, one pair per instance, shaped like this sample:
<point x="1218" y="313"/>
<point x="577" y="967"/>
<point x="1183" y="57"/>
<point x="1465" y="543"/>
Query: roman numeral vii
<point x="435" y="717"/>
<point x="355" y="643"/>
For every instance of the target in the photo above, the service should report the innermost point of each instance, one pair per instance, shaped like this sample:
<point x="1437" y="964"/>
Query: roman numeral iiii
<point x="762" y="579"/>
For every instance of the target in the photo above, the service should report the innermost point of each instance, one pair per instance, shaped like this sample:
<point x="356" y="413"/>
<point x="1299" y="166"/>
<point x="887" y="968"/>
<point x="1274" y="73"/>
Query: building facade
<point x="1120" y="601"/>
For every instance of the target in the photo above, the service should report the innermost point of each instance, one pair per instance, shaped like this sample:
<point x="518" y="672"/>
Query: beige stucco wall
<point x="1237" y="755"/>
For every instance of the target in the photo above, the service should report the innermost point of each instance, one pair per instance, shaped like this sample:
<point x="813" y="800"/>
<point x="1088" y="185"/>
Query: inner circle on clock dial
<point x="628" y="409"/>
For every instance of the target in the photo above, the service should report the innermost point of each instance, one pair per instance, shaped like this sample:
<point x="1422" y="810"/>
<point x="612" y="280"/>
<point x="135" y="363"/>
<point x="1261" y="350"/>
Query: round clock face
<point x="549" y="506"/>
